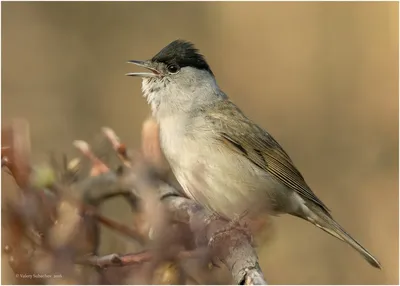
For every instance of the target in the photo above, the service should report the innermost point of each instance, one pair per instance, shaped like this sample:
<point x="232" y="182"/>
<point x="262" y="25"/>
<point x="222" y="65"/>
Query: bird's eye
<point x="173" y="68"/>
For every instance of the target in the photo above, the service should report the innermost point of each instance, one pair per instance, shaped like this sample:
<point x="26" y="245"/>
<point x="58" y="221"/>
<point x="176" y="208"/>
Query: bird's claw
<point x="234" y="224"/>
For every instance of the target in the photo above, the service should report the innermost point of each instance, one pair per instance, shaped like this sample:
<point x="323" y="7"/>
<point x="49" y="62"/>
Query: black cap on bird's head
<point x="182" y="53"/>
<point x="176" y="55"/>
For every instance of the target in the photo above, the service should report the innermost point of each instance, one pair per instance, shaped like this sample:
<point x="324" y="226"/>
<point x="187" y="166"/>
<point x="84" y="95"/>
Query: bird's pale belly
<point x="224" y="181"/>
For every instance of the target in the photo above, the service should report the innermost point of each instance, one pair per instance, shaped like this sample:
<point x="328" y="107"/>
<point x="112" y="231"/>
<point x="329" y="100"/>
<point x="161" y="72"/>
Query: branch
<point x="116" y="260"/>
<point x="233" y="247"/>
<point x="174" y="226"/>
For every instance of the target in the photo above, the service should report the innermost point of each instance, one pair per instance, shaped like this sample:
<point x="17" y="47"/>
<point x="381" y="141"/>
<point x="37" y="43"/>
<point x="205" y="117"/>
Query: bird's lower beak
<point x="146" y="65"/>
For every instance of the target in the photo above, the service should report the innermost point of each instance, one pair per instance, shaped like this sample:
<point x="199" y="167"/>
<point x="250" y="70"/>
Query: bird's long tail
<point x="324" y="221"/>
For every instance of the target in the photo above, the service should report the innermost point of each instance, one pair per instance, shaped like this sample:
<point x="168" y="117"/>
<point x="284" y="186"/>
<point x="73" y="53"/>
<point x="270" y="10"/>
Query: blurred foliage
<point x="321" y="77"/>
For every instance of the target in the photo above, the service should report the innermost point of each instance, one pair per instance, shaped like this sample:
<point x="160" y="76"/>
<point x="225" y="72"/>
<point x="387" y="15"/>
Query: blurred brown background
<point x="321" y="77"/>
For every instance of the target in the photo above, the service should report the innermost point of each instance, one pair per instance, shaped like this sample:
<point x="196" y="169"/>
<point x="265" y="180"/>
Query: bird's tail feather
<point x="325" y="222"/>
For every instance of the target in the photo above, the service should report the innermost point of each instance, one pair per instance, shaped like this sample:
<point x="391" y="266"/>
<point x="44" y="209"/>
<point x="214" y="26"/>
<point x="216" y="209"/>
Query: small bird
<point x="222" y="159"/>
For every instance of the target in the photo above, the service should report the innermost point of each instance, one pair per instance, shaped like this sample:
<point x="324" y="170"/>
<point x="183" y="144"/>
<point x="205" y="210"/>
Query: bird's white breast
<point x="178" y="148"/>
<point x="209" y="172"/>
<point x="172" y="129"/>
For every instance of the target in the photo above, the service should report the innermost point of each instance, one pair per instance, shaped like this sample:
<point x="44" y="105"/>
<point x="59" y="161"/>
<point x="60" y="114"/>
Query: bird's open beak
<point x="146" y="65"/>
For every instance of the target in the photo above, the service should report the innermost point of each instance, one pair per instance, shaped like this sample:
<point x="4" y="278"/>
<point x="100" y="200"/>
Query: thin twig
<point x="234" y="249"/>
<point x="115" y="260"/>
<point x="91" y="210"/>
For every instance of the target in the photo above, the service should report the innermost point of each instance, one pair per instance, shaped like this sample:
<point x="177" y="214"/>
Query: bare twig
<point x="174" y="227"/>
<point x="92" y="211"/>
<point x="131" y="258"/>
<point x="234" y="249"/>
<point x="98" y="167"/>
<point x="120" y="148"/>
<point x="16" y="155"/>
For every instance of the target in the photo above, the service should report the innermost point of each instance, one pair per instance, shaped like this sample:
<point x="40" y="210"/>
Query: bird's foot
<point x="212" y="217"/>
<point x="236" y="224"/>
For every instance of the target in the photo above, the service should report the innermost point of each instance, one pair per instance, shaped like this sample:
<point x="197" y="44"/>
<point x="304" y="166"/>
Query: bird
<point x="223" y="160"/>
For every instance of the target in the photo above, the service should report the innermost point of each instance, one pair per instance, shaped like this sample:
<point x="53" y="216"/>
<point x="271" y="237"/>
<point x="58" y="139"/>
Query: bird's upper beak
<point x="146" y="64"/>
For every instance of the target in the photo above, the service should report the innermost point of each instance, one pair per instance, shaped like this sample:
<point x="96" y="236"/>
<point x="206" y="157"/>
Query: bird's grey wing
<point x="251" y="141"/>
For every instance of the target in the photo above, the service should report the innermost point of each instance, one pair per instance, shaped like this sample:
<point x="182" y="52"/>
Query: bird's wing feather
<point x="254" y="143"/>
